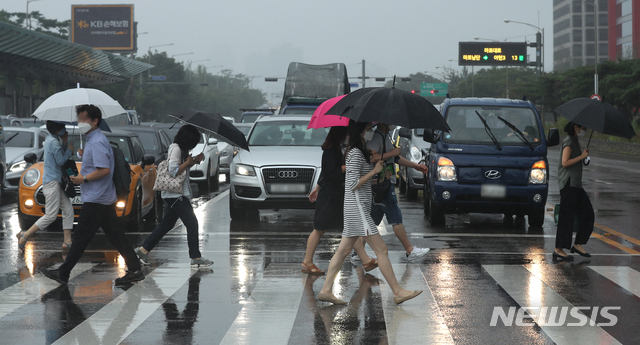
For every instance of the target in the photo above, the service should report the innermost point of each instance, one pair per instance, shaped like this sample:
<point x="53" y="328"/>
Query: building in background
<point x="624" y="29"/>
<point x="574" y="32"/>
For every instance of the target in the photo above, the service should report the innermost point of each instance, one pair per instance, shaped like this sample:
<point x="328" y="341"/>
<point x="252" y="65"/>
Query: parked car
<point x="154" y="140"/>
<point x="19" y="141"/>
<point x="205" y="174"/>
<point x="413" y="147"/>
<point x="130" y="117"/>
<point x="484" y="166"/>
<point x="10" y="121"/>
<point x="280" y="171"/>
<point x="140" y="204"/>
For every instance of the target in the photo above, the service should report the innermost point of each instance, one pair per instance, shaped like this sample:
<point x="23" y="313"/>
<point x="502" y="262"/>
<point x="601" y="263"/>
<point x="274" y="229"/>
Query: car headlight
<point x="415" y="155"/>
<point x="446" y="170"/>
<point x="245" y="170"/>
<point x="31" y="177"/>
<point x="538" y="173"/>
<point x="18" y="166"/>
<point x="224" y="153"/>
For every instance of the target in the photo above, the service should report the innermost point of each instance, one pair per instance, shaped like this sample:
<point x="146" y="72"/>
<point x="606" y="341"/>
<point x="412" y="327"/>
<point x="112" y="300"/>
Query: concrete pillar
<point x="9" y="104"/>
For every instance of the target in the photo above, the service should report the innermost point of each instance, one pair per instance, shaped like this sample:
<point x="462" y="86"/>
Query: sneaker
<point x="201" y="262"/>
<point x="417" y="253"/>
<point x="54" y="275"/>
<point x="144" y="258"/>
<point x="130" y="277"/>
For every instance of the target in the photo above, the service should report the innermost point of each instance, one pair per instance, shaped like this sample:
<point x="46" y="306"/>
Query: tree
<point x="39" y="23"/>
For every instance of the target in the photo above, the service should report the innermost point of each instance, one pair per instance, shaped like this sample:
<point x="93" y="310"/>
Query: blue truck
<point x="494" y="160"/>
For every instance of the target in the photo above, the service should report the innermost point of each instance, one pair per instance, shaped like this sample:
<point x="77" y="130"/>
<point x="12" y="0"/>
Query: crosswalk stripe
<point x="626" y="277"/>
<point x="115" y="321"/>
<point x="419" y="318"/>
<point x="31" y="289"/>
<point x="529" y="291"/>
<point x="269" y="315"/>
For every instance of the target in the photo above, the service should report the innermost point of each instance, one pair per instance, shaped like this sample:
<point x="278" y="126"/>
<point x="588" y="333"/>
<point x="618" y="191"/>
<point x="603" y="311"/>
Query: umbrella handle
<point x="589" y="142"/>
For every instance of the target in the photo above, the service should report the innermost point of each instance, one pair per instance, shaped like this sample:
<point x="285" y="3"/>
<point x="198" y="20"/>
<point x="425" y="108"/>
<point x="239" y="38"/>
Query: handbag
<point x="67" y="185"/>
<point x="382" y="188"/>
<point x="167" y="183"/>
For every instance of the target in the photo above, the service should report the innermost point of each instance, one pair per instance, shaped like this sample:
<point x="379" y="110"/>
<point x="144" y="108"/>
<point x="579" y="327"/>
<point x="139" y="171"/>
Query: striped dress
<point x="357" y="203"/>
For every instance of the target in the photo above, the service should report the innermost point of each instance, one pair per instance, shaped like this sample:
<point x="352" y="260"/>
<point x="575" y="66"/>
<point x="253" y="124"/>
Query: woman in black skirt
<point x="329" y="199"/>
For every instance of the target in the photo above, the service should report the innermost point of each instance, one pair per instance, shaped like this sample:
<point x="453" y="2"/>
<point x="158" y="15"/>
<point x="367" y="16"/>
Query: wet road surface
<point x="480" y="268"/>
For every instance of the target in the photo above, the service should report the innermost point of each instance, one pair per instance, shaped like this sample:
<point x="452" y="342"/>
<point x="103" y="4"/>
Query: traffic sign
<point x="492" y="53"/>
<point x="596" y="97"/>
<point x="158" y="77"/>
<point x="434" y="89"/>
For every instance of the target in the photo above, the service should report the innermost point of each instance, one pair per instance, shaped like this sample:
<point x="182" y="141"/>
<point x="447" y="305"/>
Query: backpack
<point x="121" y="173"/>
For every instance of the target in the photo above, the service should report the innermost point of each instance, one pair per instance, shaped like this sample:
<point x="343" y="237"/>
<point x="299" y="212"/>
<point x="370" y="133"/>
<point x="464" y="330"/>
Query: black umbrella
<point x="392" y="106"/>
<point x="220" y="128"/>
<point x="598" y="116"/>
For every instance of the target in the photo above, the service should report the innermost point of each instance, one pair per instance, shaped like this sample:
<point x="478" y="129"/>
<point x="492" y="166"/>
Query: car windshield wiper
<point x="489" y="132"/>
<point x="518" y="133"/>
<point x="11" y="137"/>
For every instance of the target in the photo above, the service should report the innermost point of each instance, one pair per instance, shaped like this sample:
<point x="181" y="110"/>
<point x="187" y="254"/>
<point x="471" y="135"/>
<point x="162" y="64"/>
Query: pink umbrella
<point x="321" y="119"/>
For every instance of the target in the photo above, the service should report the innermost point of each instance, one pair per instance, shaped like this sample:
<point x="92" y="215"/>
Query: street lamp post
<point x="539" y="45"/>
<point x="595" y="25"/>
<point x="27" y="18"/>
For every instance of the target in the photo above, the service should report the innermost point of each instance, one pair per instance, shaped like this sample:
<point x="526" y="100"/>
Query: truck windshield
<point x="467" y="128"/>
<point x="286" y="133"/>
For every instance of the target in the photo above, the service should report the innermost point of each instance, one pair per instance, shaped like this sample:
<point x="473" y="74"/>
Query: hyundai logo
<point x="288" y="174"/>
<point x="492" y="174"/>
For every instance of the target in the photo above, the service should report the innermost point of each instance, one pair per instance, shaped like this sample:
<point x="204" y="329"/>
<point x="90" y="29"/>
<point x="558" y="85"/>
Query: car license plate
<point x="493" y="191"/>
<point x="288" y="188"/>
<point x="76" y="200"/>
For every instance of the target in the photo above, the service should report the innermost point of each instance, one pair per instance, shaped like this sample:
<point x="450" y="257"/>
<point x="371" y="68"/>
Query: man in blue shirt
<point x="99" y="201"/>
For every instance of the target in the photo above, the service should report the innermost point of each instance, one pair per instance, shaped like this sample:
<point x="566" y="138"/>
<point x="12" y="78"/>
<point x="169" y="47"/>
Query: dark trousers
<point x="174" y="209"/>
<point x="93" y="216"/>
<point x="574" y="203"/>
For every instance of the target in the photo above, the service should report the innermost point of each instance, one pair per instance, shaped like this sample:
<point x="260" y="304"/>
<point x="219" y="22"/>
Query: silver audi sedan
<point x="281" y="170"/>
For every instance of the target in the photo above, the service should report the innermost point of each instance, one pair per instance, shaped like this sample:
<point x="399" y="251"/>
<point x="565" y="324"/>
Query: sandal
<point x="371" y="265"/>
<point x="21" y="236"/>
<point x="65" y="245"/>
<point x="311" y="269"/>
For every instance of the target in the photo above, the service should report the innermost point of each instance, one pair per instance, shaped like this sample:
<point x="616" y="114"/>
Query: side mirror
<point x="428" y="136"/>
<point x="30" y="158"/>
<point x="553" y="138"/>
<point x="148" y="160"/>
<point x="213" y="141"/>
<point x="405" y="133"/>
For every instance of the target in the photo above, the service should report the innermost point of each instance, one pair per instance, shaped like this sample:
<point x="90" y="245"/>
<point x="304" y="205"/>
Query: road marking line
<point x="529" y="291"/>
<point x="32" y="288"/>
<point x="614" y="243"/>
<point x="419" y="318"/>
<point x="617" y="233"/>
<point x="270" y="313"/>
<point x="120" y="317"/>
<point x="626" y="277"/>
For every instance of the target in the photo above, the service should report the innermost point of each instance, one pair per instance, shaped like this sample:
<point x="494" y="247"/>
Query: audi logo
<point x="492" y="174"/>
<point x="288" y="174"/>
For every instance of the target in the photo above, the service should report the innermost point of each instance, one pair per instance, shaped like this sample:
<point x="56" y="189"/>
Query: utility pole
<point x="363" y="75"/>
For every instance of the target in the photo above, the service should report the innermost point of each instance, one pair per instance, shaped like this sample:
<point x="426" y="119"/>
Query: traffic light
<point x="434" y="91"/>
<point x="413" y="91"/>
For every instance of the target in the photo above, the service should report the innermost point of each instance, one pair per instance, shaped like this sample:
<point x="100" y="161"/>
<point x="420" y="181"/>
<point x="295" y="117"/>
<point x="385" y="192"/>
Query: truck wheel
<point x="412" y="193"/>
<point x="425" y="200"/>
<point x="436" y="215"/>
<point x="536" y="218"/>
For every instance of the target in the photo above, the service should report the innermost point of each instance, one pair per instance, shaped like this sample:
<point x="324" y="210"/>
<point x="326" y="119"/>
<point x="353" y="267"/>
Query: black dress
<point x="329" y="205"/>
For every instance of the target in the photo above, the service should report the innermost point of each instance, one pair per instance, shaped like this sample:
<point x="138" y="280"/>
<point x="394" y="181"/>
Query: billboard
<point x="492" y="54"/>
<point x="105" y="27"/>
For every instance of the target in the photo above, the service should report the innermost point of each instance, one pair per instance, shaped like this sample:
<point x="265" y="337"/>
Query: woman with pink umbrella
<point x="329" y="193"/>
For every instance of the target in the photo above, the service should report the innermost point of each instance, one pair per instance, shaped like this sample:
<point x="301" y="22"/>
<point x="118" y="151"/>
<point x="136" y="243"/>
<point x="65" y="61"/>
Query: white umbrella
<point x="62" y="105"/>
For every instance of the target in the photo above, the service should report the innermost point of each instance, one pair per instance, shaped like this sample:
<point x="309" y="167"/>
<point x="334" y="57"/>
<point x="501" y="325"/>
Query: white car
<point x="18" y="142"/>
<point x="207" y="172"/>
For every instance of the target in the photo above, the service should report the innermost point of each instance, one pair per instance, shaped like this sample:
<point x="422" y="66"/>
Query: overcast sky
<point x="260" y="38"/>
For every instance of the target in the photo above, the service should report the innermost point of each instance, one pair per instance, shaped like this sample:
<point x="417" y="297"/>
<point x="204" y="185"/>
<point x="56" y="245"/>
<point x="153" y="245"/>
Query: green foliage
<point x="39" y="23"/>
<point x="224" y="94"/>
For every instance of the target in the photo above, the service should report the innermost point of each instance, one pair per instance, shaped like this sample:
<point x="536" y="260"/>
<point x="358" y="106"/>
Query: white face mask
<point x="84" y="127"/>
<point x="368" y="135"/>
<point x="582" y="133"/>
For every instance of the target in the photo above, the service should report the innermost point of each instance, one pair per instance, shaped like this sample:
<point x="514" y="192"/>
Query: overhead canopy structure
<point x="30" y="54"/>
